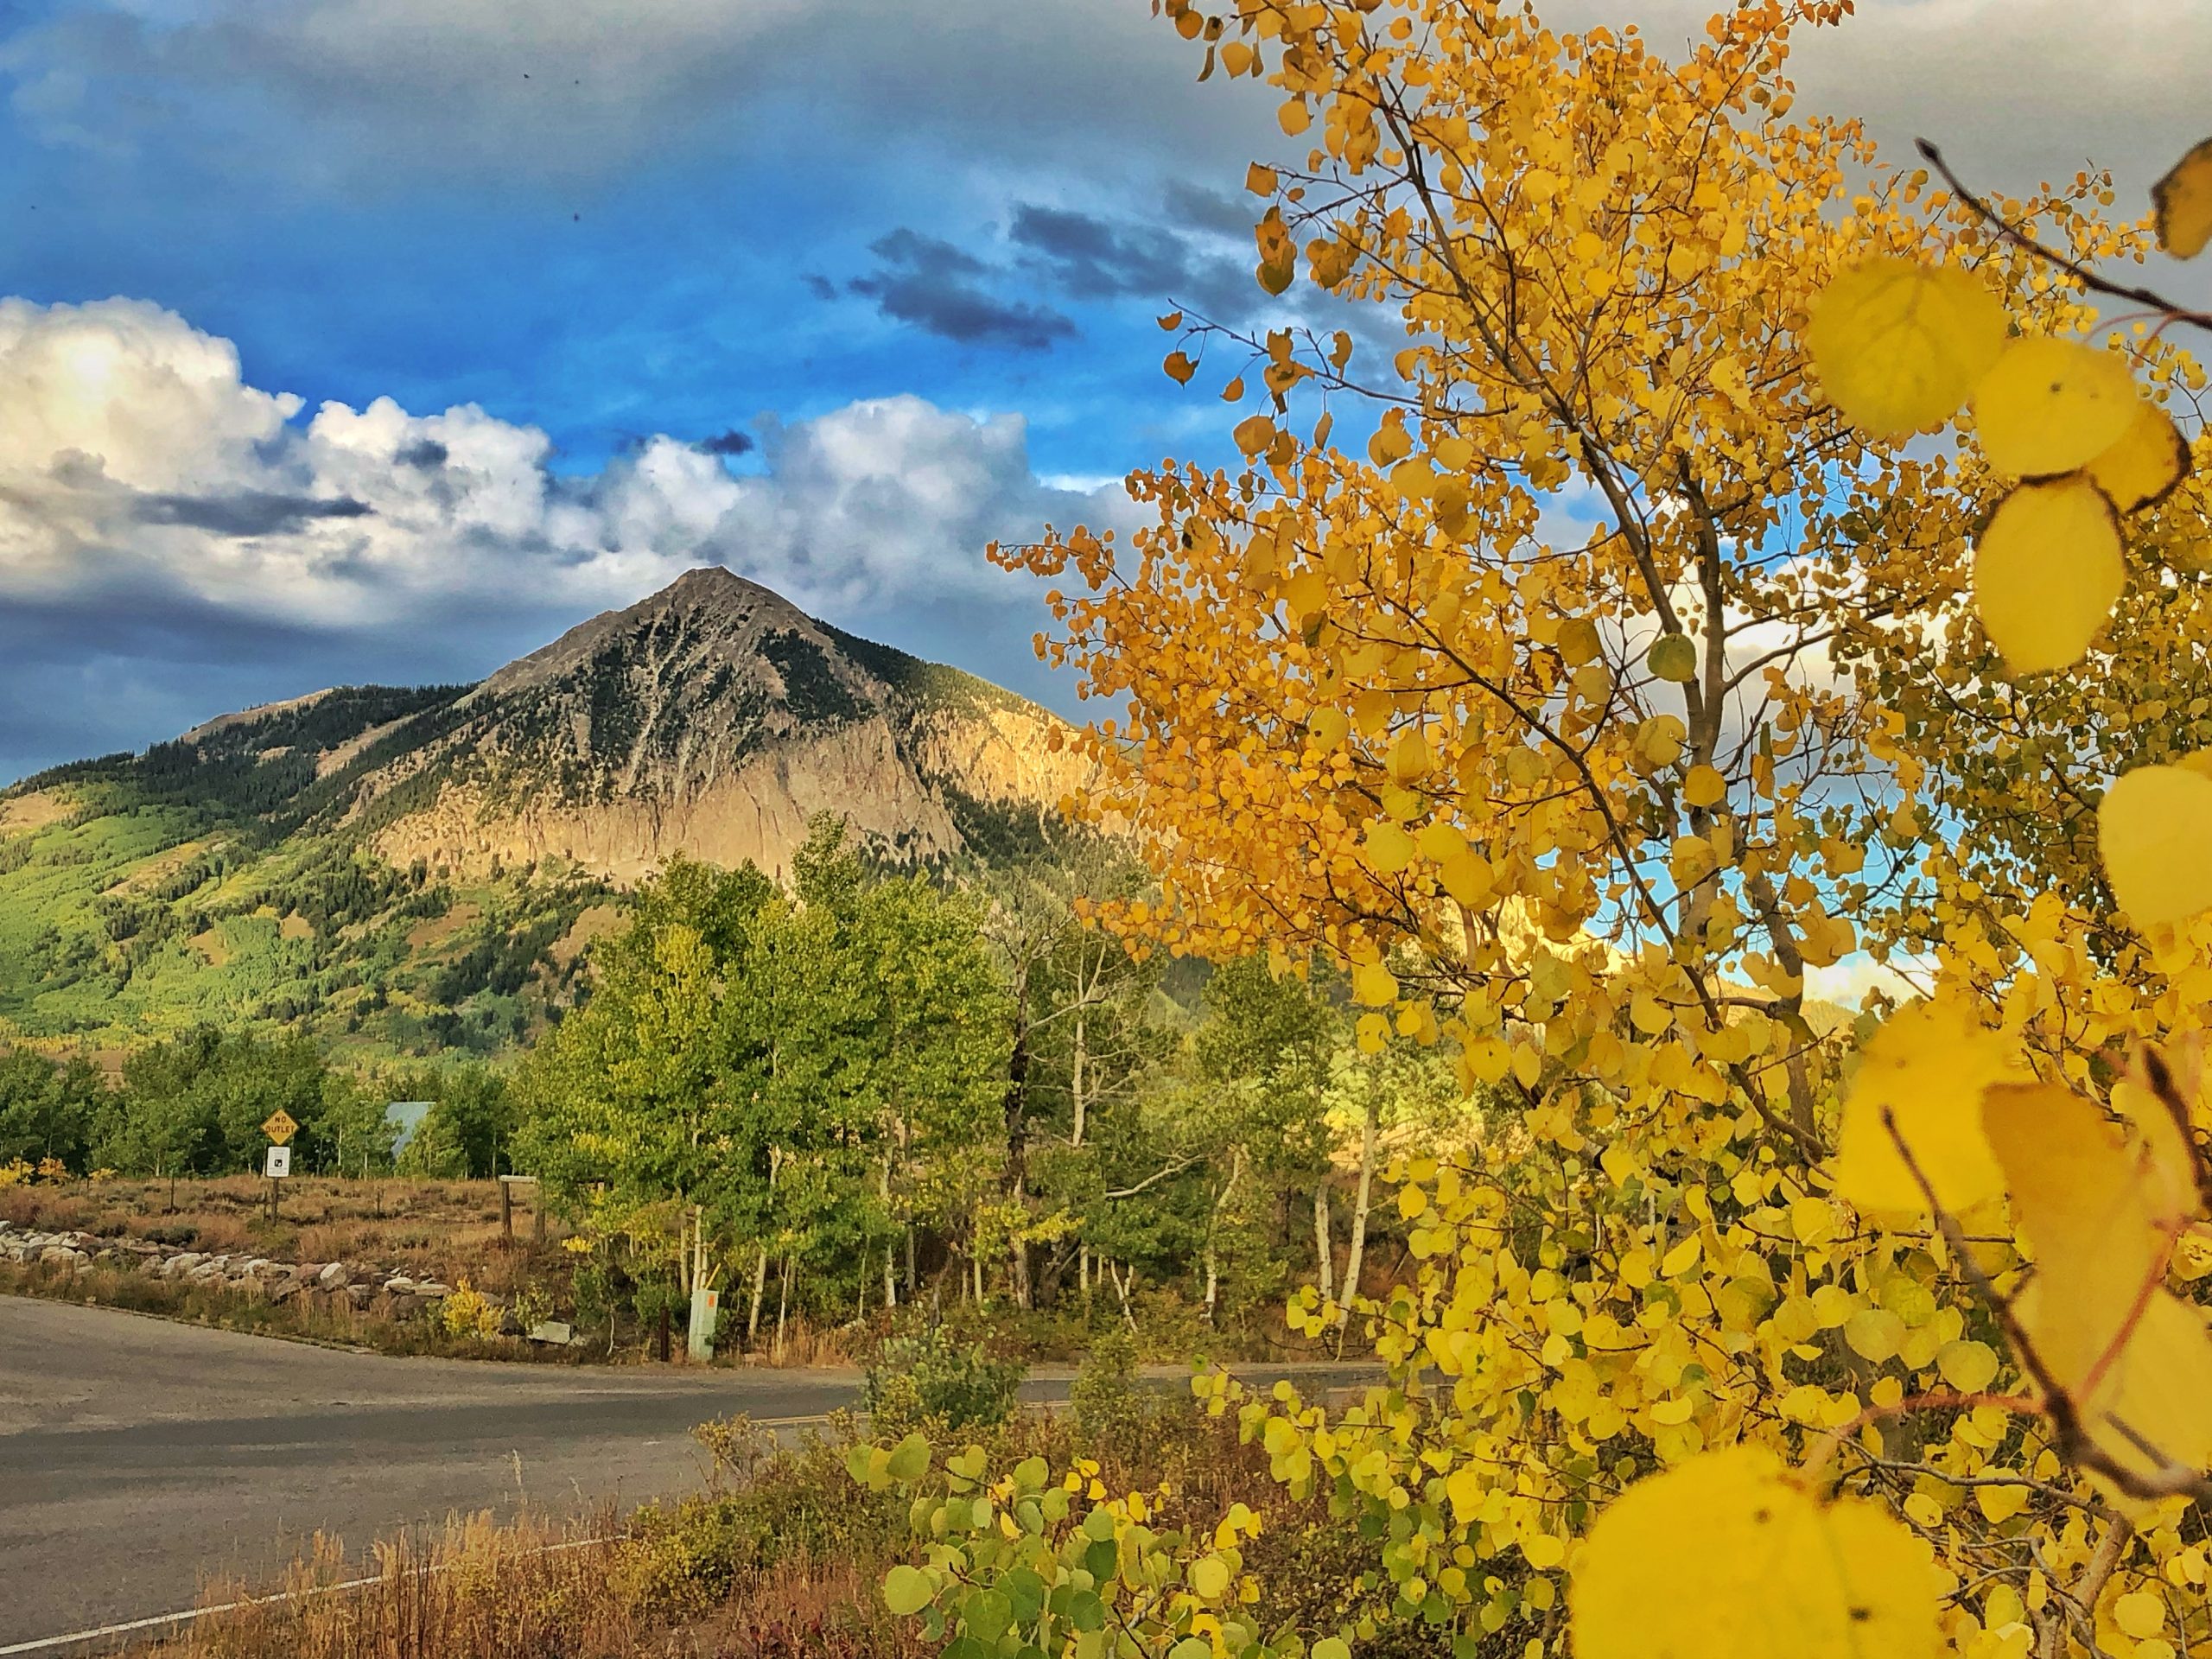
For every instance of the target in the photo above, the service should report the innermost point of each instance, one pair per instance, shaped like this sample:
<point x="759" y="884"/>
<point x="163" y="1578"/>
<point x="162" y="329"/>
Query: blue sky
<point x="831" y="290"/>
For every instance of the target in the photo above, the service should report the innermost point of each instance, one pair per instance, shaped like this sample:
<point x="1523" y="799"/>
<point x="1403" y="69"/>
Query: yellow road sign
<point x="279" y="1126"/>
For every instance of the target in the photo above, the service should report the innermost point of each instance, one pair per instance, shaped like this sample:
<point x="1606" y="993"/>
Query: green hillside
<point x="223" y="879"/>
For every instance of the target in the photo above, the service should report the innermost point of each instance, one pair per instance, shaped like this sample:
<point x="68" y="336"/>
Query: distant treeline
<point x="861" y="1089"/>
<point x="195" y="1105"/>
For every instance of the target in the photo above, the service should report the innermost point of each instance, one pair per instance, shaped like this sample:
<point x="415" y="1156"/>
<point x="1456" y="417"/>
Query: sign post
<point x="277" y="1164"/>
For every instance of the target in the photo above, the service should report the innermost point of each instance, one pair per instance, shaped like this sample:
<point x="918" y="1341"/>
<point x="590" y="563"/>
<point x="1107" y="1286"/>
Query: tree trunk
<point x="1350" y="1290"/>
<point x="1324" y="1242"/>
<point x="759" y="1290"/>
<point x="1075" y="1082"/>
<point x="1122" y="1282"/>
<point x="1213" y="1228"/>
<point x="890" y="1272"/>
<point x="783" y="1305"/>
<point x="1017" y="1169"/>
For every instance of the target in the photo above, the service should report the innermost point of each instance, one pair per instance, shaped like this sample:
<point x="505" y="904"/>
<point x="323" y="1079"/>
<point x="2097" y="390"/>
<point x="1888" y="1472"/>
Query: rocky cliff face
<point x="712" y="720"/>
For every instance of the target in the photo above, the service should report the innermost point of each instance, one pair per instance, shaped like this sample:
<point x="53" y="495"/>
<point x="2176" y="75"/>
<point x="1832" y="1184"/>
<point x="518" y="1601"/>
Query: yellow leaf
<point x="1969" y="1367"/>
<point x="1672" y="658"/>
<point x="1812" y="1220"/>
<point x="1898" y="345"/>
<point x="1543" y="1552"/>
<point x="1441" y="843"/>
<point x="1722" y="1555"/>
<point x="1295" y="117"/>
<point x="1411" y="760"/>
<point x="2078" y="1196"/>
<point x="1464" y="1487"/>
<point x="1253" y="433"/>
<point x="1259" y="180"/>
<point x="1924" y="1071"/>
<point x="2140" y="1613"/>
<point x="2000" y="1503"/>
<point x="1412" y="1201"/>
<point x="1327" y="728"/>
<point x="1209" y="1578"/>
<point x="1684" y="1256"/>
<point x="2145" y="462"/>
<point x="1468" y="878"/>
<point x="2049" y="406"/>
<point x="1374" y="985"/>
<point x="1874" y="1333"/>
<point x="2153" y="827"/>
<point x="2081" y="1195"/>
<point x="2047" y="572"/>
<point x="1179" y="367"/>
<point x="1705" y="786"/>
<point x="2182" y="204"/>
<point x="1390" y="848"/>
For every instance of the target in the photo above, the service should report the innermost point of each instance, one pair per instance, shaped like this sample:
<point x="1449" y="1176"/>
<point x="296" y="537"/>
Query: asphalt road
<point x="141" y="1459"/>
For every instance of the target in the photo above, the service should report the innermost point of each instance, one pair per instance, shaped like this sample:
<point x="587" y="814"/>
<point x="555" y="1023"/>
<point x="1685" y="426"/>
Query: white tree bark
<point x="1324" y="1242"/>
<point x="1350" y="1290"/>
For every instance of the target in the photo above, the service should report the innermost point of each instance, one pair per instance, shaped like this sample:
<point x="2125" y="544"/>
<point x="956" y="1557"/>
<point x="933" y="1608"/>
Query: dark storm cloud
<point x="1089" y="259"/>
<point x="249" y="512"/>
<point x="818" y="285"/>
<point x="425" y="453"/>
<point x="133" y="659"/>
<point x="942" y="289"/>
<point x="732" y="443"/>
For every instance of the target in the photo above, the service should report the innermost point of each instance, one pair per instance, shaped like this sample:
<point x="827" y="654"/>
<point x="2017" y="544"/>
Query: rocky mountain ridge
<point x="423" y="866"/>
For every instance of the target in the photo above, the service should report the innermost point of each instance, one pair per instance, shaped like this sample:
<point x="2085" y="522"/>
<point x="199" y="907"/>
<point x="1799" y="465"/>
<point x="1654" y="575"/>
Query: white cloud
<point x="136" y="457"/>
<point x="1849" y="982"/>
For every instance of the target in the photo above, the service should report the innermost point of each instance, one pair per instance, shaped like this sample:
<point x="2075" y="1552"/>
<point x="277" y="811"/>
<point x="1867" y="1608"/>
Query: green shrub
<point x="1112" y="1408"/>
<point x="930" y="1380"/>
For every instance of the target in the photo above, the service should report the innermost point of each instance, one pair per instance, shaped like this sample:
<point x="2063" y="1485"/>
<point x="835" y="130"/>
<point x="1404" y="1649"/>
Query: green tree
<point x="48" y="1111"/>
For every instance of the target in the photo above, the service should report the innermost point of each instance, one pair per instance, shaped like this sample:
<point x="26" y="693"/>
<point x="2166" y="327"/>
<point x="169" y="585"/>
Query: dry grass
<point x="477" y="1590"/>
<point x="718" y="1578"/>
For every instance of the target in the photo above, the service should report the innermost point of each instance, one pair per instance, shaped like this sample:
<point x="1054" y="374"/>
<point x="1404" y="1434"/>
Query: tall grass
<point x="476" y="1590"/>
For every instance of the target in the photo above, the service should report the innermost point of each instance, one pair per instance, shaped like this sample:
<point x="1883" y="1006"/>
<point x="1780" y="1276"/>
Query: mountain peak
<point x="709" y="614"/>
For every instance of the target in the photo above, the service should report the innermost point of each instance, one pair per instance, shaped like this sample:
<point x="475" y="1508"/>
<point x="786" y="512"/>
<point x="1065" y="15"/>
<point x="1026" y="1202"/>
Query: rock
<point x="432" y="1289"/>
<point x="360" y="1295"/>
<point x="284" y="1289"/>
<point x="399" y="1285"/>
<point x="63" y="1255"/>
<point x="336" y="1276"/>
<point x="553" y="1331"/>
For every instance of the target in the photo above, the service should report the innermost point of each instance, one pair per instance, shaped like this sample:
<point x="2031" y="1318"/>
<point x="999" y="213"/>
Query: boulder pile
<point x="359" y="1283"/>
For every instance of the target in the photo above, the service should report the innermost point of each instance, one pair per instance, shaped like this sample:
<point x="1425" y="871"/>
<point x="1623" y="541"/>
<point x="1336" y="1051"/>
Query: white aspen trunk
<point x="1122" y="1281"/>
<point x="1213" y="1227"/>
<point x="1324" y="1243"/>
<point x="890" y="1272"/>
<point x="759" y="1290"/>
<point x="760" y="1267"/>
<point x="1075" y="1084"/>
<point x="1350" y="1290"/>
<point x="783" y="1305"/>
<point x="1083" y="1274"/>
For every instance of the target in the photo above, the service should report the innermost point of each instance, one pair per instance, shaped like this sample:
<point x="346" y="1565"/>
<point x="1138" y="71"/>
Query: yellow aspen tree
<point x="1634" y="656"/>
